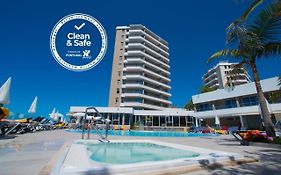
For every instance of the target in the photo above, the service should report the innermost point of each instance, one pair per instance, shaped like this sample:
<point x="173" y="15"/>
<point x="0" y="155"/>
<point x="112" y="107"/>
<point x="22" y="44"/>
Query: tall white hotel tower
<point x="140" y="70"/>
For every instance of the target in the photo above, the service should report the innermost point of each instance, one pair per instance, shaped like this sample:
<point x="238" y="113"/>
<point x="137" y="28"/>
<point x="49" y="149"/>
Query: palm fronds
<point x="247" y="12"/>
<point x="228" y="53"/>
<point x="235" y="70"/>
<point x="267" y="24"/>
<point x="271" y="49"/>
<point x="237" y="29"/>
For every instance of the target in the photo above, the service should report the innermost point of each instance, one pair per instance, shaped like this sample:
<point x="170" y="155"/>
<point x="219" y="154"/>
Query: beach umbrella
<point x="5" y="92"/>
<point x="33" y="106"/>
<point x="52" y="115"/>
<point x="217" y="120"/>
<point x="56" y="117"/>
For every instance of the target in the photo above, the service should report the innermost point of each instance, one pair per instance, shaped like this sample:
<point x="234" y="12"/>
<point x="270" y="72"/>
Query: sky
<point x="195" y="29"/>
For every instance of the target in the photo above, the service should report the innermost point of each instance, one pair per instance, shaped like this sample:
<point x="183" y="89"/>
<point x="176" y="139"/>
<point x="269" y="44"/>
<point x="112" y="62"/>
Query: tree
<point x="205" y="89"/>
<point x="249" y="42"/>
<point x="274" y="97"/>
<point x="189" y="106"/>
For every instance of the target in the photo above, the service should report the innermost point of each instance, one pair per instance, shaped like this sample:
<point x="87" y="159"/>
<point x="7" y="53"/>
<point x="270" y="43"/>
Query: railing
<point x="252" y="103"/>
<point x="228" y="106"/>
<point x="99" y="117"/>
<point x="225" y="106"/>
<point x="205" y="109"/>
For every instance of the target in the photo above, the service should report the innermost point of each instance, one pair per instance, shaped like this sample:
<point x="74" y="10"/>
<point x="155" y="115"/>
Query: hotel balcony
<point x="150" y="38"/>
<point x="240" y="111"/>
<point x="143" y="54"/>
<point x="215" y="86"/>
<point x="210" y="76"/>
<point x="141" y="39"/>
<point x="146" y="79"/>
<point x="146" y="88"/>
<point x="151" y="51"/>
<point x="212" y="82"/>
<point x="209" y="73"/>
<point x="141" y="69"/>
<point x="146" y="97"/>
<point x="141" y="105"/>
<point x="140" y="60"/>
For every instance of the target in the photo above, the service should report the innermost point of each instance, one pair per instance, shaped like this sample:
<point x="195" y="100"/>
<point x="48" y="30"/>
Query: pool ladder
<point x="92" y="124"/>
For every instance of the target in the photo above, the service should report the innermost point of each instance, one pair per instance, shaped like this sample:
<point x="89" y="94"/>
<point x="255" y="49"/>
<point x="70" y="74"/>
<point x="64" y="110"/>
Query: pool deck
<point x="37" y="153"/>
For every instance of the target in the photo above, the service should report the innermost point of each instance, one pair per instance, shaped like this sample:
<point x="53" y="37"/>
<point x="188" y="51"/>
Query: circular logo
<point x="78" y="42"/>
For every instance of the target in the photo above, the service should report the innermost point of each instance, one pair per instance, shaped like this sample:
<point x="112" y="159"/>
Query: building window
<point x="204" y="107"/>
<point x="116" y="100"/>
<point x="122" y="36"/>
<point x="120" y="58"/>
<point x="119" y="73"/>
<point x="118" y="90"/>
<point x="122" y="43"/>
<point x="230" y="103"/>
<point x="249" y="101"/>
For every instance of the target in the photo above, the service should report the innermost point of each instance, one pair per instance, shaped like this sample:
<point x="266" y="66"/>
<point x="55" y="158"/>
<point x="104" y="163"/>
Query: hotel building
<point x="178" y="119"/>
<point x="140" y="90"/>
<point x="237" y="105"/>
<point x="140" y="70"/>
<point x="220" y="77"/>
<point x="225" y="107"/>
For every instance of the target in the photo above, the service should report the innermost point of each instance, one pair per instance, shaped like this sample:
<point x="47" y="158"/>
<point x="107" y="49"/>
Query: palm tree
<point x="189" y="106"/>
<point x="205" y="89"/>
<point x="249" y="42"/>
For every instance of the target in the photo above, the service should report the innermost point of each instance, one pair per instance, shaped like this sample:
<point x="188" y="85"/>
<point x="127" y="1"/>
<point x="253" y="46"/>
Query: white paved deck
<point x="30" y="153"/>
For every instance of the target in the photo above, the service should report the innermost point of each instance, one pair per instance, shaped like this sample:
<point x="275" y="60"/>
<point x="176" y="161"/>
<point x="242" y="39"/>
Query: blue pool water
<point x="149" y="133"/>
<point x="124" y="153"/>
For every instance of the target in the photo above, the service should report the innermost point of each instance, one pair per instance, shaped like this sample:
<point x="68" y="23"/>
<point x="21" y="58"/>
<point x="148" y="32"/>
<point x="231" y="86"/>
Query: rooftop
<point x="270" y="84"/>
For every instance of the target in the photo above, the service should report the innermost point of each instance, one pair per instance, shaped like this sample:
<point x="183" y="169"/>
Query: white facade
<point x="169" y="117"/>
<point x="219" y="76"/>
<point x="145" y="75"/>
<point x="239" y="102"/>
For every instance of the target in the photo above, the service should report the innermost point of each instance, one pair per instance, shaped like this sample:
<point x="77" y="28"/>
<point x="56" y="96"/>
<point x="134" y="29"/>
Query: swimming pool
<point x="124" y="153"/>
<point x="149" y="133"/>
<point x="131" y="157"/>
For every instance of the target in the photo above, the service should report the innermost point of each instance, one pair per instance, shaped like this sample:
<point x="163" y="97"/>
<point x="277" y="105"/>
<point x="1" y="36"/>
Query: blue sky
<point x="194" y="29"/>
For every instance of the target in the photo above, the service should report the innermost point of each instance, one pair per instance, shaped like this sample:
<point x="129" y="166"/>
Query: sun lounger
<point x="8" y="127"/>
<point x="240" y="138"/>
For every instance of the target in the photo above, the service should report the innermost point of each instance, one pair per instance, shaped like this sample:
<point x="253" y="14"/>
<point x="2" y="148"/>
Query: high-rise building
<point x="140" y="70"/>
<point x="220" y="76"/>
